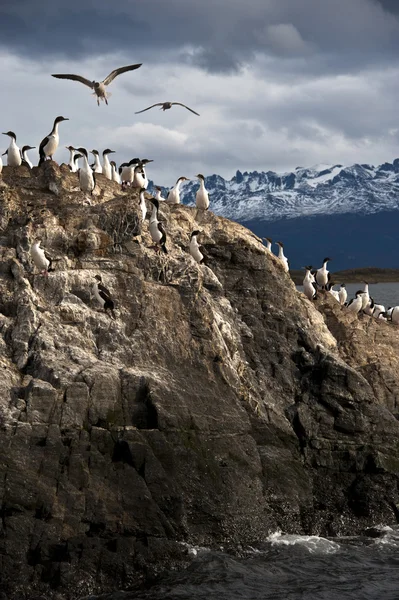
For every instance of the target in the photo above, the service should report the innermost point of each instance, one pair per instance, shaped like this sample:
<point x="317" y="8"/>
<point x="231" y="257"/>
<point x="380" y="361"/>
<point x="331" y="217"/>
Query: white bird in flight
<point x="166" y="106"/>
<point x="99" y="86"/>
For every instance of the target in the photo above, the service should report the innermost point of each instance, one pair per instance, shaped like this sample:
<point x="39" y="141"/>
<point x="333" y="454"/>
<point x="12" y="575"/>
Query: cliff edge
<point x="219" y="406"/>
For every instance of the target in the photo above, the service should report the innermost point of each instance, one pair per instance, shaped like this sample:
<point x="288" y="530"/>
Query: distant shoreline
<point x="369" y="274"/>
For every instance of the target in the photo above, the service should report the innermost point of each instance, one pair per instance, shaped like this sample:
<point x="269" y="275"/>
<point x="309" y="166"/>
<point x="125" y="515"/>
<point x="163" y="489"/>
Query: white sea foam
<point x="312" y="543"/>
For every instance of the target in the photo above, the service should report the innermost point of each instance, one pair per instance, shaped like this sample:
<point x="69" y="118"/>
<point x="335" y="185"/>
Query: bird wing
<point x="152" y="106"/>
<point x="119" y="71"/>
<point x="180" y="104"/>
<point x="104" y="293"/>
<point x="162" y="230"/>
<point x="75" y="78"/>
<point x="50" y="260"/>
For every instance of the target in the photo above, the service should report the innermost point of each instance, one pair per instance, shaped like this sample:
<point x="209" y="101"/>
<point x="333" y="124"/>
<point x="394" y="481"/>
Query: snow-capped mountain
<point x="348" y="213"/>
<point x="319" y="190"/>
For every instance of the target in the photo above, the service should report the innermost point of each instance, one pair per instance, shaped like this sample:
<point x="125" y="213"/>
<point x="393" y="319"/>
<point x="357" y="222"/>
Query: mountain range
<point x="350" y="213"/>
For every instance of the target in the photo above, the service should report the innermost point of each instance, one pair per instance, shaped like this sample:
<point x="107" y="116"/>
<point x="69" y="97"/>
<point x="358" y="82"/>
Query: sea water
<point x="287" y="567"/>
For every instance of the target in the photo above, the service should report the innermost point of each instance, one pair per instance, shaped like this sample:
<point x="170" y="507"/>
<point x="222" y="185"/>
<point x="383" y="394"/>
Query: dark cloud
<point x="217" y="35"/>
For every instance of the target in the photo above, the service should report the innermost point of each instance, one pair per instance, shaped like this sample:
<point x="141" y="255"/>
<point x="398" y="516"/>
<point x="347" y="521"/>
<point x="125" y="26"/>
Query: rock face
<point x="219" y="405"/>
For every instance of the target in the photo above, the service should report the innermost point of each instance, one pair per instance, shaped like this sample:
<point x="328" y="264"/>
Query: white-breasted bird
<point x="41" y="259"/>
<point x="103" y="295"/>
<point x="195" y="247"/>
<point x="126" y="171"/>
<point x="322" y="275"/>
<point x="394" y="314"/>
<point x="378" y="309"/>
<point x="174" y="194"/>
<point x="157" y="231"/>
<point x="25" y="158"/>
<point x="49" y="144"/>
<point x="366" y="296"/>
<point x="343" y="294"/>
<point x="99" y="87"/>
<point x="107" y="169"/>
<point x="115" y="175"/>
<point x="166" y="106"/>
<point x="355" y="305"/>
<point x="144" y="162"/>
<point x="309" y="285"/>
<point x="269" y="242"/>
<point x="143" y="206"/>
<point x="96" y="166"/>
<point x="13" y="153"/>
<point x="334" y="293"/>
<point x="202" y="196"/>
<point x="72" y="163"/>
<point x="87" y="179"/>
<point x="158" y="194"/>
<point x="283" y="259"/>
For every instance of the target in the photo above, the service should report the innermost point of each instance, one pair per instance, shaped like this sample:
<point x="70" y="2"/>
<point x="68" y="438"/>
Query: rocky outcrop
<point x="218" y="406"/>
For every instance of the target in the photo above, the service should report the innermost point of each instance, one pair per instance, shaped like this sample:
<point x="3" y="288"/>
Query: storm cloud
<point x="278" y="83"/>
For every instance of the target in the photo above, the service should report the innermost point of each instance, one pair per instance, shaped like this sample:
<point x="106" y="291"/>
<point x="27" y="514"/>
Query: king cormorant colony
<point x="133" y="174"/>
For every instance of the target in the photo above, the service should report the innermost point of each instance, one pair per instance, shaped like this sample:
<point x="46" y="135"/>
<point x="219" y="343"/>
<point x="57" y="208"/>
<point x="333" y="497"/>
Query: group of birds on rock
<point x="319" y="280"/>
<point x="129" y="174"/>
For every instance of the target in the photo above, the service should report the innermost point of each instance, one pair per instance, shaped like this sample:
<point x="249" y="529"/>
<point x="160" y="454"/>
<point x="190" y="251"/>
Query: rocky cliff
<point x="219" y="405"/>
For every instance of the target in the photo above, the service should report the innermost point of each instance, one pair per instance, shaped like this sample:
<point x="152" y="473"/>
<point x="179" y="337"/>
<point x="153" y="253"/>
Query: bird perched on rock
<point x="343" y="294"/>
<point x="143" y="206"/>
<point x="49" y="144"/>
<point x="157" y="231"/>
<point x="355" y="305"/>
<point x="115" y="175"/>
<point x="283" y="258"/>
<point x="334" y="293"/>
<point x="322" y="275"/>
<point x="126" y="171"/>
<point x="72" y="163"/>
<point x="195" y="247"/>
<point x="166" y="106"/>
<point x="107" y="169"/>
<point x="87" y="178"/>
<point x="309" y="284"/>
<point x="269" y="242"/>
<point x="158" y="194"/>
<point x="103" y="296"/>
<point x="99" y="87"/>
<point x="174" y="194"/>
<point x="96" y="166"/>
<point x="25" y="158"/>
<point x="13" y="153"/>
<point x="202" y="197"/>
<point x="41" y="259"/>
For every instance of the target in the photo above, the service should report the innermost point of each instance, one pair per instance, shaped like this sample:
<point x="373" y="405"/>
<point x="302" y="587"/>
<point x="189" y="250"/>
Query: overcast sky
<point x="278" y="83"/>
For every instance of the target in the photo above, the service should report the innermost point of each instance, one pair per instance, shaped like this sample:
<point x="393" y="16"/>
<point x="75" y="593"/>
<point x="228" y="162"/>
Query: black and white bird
<point x="365" y="297"/>
<point x="72" y="163"/>
<point x="87" y="179"/>
<point x="107" y="169"/>
<point x="25" y="158"/>
<point x="49" y="144"/>
<point x="126" y="171"/>
<point x="99" y="87"/>
<point x="96" y="166"/>
<point x="103" y="296"/>
<point x="41" y="259"/>
<point x="174" y="194"/>
<point x="393" y="314"/>
<point x="355" y="305"/>
<point x="195" y="250"/>
<point x="143" y="206"/>
<point x="13" y="153"/>
<point x="323" y="276"/>
<point x="343" y="294"/>
<point x="283" y="259"/>
<point x="202" y="196"/>
<point x="334" y="293"/>
<point x="115" y="175"/>
<point x="158" y="194"/>
<point x="269" y="242"/>
<point x="157" y="231"/>
<point x="309" y="284"/>
<point x="166" y="106"/>
<point x="378" y="309"/>
<point x="144" y="162"/>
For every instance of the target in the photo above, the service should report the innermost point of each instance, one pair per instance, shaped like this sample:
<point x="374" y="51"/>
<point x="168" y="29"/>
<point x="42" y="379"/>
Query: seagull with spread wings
<point x="166" y="106"/>
<point x="99" y="86"/>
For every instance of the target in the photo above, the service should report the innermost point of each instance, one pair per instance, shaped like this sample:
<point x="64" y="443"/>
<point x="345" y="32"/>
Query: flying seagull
<point x="99" y="86"/>
<point x="166" y="106"/>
